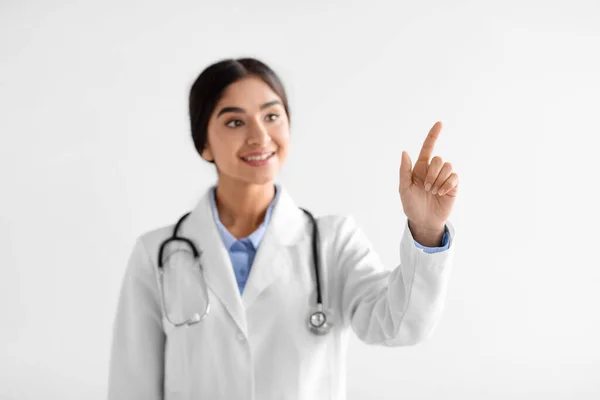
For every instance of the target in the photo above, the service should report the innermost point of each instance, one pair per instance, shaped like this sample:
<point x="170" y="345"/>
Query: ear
<point x="207" y="154"/>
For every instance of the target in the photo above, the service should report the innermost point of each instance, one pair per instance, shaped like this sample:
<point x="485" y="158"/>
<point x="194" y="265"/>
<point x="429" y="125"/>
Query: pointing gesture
<point x="428" y="190"/>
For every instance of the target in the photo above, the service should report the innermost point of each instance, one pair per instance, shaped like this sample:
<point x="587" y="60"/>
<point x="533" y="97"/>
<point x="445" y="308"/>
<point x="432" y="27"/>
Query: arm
<point x="137" y="353"/>
<point x="394" y="308"/>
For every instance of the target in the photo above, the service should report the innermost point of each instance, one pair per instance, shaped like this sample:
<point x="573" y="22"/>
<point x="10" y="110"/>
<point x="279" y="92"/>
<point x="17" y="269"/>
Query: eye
<point x="236" y="123"/>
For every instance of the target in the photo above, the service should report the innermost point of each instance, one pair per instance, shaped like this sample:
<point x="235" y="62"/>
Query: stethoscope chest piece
<point x="318" y="322"/>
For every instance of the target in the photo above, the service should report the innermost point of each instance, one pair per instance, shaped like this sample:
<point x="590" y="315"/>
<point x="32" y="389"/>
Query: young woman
<point x="249" y="296"/>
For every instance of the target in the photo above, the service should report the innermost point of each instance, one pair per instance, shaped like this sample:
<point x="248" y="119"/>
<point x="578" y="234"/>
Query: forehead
<point x="247" y="93"/>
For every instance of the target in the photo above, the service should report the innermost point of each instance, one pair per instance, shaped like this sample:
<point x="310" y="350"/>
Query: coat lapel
<point x="202" y="229"/>
<point x="271" y="262"/>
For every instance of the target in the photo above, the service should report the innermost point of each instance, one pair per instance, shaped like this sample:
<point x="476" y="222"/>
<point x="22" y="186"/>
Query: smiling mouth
<point x="258" y="158"/>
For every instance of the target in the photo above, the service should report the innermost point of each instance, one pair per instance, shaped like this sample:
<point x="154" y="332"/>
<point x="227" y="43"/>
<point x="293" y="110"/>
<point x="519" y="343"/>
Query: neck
<point x="242" y="207"/>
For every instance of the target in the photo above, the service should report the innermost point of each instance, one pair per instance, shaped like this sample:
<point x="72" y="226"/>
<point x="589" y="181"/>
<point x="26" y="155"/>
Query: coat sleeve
<point x="137" y="352"/>
<point x="393" y="308"/>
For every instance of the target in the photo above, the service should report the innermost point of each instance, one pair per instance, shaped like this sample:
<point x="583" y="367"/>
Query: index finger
<point x="429" y="142"/>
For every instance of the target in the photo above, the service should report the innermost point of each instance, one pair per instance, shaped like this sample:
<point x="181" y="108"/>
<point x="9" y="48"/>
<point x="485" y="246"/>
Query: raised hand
<point x="428" y="190"/>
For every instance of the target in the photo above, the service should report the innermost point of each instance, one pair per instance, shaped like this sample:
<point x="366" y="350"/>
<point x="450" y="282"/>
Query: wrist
<point x="427" y="236"/>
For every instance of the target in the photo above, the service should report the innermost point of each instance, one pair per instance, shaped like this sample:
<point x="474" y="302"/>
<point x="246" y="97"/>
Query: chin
<point x="259" y="177"/>
<point x="261" y="180"/>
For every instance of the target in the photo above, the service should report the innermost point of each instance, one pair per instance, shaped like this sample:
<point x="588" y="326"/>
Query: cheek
<point x="281" y="136"/>
<point x="226" y="144"/>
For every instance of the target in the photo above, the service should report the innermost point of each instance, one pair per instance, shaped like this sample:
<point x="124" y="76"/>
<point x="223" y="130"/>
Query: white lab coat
<point x="257" y="346"/>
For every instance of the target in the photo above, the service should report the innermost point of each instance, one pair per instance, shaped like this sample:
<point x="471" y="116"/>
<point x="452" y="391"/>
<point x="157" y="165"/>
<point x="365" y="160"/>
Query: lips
<point x="256" y="162"/>
<point x="262" y="156"/>
<point x="257" y="153"/>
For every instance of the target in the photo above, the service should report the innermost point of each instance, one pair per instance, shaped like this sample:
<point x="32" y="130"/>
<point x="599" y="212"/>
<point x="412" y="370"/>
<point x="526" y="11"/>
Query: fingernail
<point x="434" y="190"/>
<point x="427" y="187"/>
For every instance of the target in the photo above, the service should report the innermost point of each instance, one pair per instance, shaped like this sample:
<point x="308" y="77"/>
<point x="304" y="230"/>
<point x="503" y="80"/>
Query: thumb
<point x="405" y="171"/>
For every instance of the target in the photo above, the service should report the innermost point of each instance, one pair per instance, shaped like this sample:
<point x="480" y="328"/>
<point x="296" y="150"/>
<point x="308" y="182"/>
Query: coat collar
<point x="272" y="260"/>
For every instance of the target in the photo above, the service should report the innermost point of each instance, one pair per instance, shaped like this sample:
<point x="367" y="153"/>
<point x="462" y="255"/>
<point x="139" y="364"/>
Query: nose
<point x="258" y="134"/>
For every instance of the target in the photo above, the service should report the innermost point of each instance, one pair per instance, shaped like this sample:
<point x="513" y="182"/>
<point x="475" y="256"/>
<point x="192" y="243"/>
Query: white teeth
<point x="258" y="158"/>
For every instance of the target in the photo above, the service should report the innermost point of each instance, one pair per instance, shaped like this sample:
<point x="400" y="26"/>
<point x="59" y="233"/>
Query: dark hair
<point x="210" y="84"/>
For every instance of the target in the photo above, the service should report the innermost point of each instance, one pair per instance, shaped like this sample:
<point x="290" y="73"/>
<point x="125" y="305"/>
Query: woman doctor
<point x="256" y="269"/>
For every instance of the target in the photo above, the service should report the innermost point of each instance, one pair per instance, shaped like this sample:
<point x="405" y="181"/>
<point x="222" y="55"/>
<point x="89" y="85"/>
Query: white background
<point x="95" y="150"/>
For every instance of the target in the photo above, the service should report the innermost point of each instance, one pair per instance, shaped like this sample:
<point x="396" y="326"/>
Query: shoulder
<point x="332" y="223"/>
<point x="149" y="241"/>
<point x="141" y="265"/>
<point x="337" y="230"/>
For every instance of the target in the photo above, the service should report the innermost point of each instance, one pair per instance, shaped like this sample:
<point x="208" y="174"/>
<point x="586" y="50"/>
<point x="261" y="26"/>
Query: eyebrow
<point x="241" y="110"/>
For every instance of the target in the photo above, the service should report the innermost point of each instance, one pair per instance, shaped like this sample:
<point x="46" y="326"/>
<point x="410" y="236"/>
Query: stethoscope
<point x="317" y="319"/>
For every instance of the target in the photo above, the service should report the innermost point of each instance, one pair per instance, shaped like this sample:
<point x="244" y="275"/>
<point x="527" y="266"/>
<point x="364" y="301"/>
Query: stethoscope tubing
<point x="317" y="321"/>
